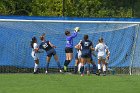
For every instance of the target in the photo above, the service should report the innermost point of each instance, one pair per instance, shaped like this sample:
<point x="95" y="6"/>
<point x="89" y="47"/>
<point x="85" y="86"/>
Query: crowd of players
<point x="85" y="51"/>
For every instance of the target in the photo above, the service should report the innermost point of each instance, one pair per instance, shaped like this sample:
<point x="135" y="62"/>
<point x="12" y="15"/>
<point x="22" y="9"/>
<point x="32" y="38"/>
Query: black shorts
<point x="68" y="50"/>
<point x="51" y="52"/>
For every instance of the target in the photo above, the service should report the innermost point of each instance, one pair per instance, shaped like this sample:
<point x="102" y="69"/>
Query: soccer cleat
<point x="60" y="71"/>
<point x="104" y="74"/>
<point x="88" y="73"/>
<point x="65" y="68"/>
<point x="35" y="72"/>
<point x="98" y="73"/>
<point x="46" y="72"/>
<point x="82" y="75"/>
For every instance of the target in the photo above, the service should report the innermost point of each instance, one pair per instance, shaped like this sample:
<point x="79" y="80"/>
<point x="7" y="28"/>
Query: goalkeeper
<point x="69" y="46"/>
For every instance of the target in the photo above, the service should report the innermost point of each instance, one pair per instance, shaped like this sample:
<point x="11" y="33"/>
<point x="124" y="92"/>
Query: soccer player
<point x="34" y="54"/>
<point x="69" y="47"/>
<point x="101" y="48"/>
<point x="49" y="48"/>
<point x="87" y="47"/>
<point x="77" y="57"/>
<point x="107" y="58"/>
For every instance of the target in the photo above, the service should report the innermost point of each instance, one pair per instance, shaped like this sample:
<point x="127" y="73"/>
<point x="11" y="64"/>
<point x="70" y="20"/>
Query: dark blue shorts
<point x="51" y="52"/>
<point x="86" y="54"/>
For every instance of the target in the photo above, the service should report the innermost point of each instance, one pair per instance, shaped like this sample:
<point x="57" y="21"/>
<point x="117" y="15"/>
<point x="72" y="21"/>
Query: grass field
<point x="58" y="83"/>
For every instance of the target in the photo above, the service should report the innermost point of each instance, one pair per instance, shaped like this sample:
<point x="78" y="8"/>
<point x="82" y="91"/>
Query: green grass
<point x="57" y="83"/>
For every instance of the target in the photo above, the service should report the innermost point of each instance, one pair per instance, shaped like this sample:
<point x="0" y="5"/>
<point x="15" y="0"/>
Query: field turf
<point x="62" y="83"/>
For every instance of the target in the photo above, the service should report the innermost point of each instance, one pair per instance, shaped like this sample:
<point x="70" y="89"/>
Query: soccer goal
<point x="121" y="37"/>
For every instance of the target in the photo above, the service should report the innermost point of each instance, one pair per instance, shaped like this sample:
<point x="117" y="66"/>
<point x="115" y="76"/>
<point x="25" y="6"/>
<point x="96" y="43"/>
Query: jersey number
<point x="45" y="45"/>
<point x="86" y="44"/>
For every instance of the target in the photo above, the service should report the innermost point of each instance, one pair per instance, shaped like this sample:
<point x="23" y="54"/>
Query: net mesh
<point x="15" y="37"/>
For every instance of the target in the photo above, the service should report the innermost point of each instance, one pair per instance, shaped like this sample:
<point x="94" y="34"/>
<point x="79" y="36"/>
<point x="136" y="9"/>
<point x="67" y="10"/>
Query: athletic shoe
<point x="35" y="72"/>
<point x="65" y="68"/>
<point x="88" y="73"/>
<point x="60" y="71"/>
<point x="46" y="72"/>
<point x="82" y="74"/>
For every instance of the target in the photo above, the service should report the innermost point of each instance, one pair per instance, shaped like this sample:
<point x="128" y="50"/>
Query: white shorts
<point x="35" y="56"/>
<point x="79" y="54"/>
<point x="101" y="57"/>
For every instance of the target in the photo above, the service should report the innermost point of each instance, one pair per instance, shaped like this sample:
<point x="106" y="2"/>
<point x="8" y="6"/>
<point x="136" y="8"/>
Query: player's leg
<point x="88" y="60"/>
<point x="76" y="63"/>
<point x="104" y="66"/>
<point x="48" y="58"/>
<point x="94" y="66"/>
<point x="57" y="61"/>
<point x="82" y="66"/>
<point x="36" y="60"/>
<point x="69" y="56"/>
<point x="99" y="65"/>
<point x="36" y="66"/>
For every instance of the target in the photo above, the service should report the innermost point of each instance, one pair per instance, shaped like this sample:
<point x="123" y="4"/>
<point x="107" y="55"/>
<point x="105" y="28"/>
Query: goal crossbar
<point x="70" y="21"/>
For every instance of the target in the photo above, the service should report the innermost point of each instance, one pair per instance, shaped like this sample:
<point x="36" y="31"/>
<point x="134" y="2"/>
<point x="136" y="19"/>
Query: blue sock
<point x="82" y="69"/>
<point x="58" y="64"/>
<point x="88" y="67"/>
<point x="75" y="69"/>
<point x="94" y="68"/>
<point x="47" y="66"/>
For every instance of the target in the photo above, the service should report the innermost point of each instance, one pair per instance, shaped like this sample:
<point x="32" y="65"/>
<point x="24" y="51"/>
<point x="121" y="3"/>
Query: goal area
<point x="122" y="38"/>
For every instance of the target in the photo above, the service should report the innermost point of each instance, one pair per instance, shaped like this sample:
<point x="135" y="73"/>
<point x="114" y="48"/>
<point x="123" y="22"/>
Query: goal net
<point x="122" y="38"/>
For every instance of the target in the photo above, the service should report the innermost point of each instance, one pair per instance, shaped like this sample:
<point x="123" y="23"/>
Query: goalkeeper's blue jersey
<point x="69" y="40"/>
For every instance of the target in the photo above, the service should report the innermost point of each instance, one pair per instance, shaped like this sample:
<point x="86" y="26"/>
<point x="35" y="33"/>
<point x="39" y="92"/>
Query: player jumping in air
<point x="49" y="48"/>
<point x="34" y="54"/>
<point x="87" y="47"/>
<point x="101" y="48"/>
<point x="69" y="47"/>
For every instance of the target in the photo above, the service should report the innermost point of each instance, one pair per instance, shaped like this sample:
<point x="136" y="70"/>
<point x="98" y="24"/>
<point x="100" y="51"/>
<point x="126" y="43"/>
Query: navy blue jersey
<point x="45" y="45"/>
<point x="86" y="46"/>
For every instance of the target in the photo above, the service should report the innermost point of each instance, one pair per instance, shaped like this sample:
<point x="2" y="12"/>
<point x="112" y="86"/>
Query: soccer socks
<point x="99" y="66"/>
<point x="66" y="63"/>
<point x="75" y="69"/>
<point x="104" y="69"/>
<point x="88" y="67"/>
<point x="47" y="66"/>
<point x="35" y="67"/>
<point x="82" y="69"/>
<point x="94" y="68"/>
<point x="58" y="64"/>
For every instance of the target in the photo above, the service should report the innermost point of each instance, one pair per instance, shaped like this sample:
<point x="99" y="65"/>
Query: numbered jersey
<point x="45" y="45"/>
<point x="86" y="46"/>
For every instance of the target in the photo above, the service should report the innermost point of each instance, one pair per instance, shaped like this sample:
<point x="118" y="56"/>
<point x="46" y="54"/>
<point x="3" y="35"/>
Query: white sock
<point x="99" y="66"/>
<point x="104" y="67"/>
<point x="79" y="66"/>
<point x="35" y="67"/>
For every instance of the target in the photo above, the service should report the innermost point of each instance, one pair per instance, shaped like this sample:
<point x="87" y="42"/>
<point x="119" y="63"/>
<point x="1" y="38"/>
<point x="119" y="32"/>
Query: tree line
<point x="69" y="8"/>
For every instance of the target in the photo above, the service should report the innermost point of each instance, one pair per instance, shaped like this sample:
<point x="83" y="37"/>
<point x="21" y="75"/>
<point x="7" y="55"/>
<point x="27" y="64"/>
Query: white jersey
<point x="34" y="54"/>
<point x="101" y="49"/>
